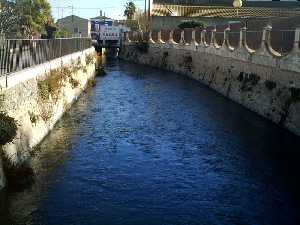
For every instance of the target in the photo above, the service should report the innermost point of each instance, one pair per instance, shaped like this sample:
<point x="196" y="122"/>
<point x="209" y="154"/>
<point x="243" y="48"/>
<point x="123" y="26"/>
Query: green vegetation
<point x="33" y="117"/>
<point x="191" y="24"/>
<point x="248" y="80"/>
<point x="92" y="83"/>
<point x="2" y="98"/>
<point x="89" y="58"/>
<point x="51" y="85"/>
<point x="270" y="85"/>
<point x="295" y="94"/>
<point x="74" y="82"/>
<point x="130" y="9"/>
<point x="142" y="46"/>
<point x="84" y="69"/>
<point x="100" y="71"/>
<point x="76" y="66"/>
<point x="26" y="18"/>
<point x="54" y="81"/>
<point x="8" y="128"/>
<point x="188" y="63"/>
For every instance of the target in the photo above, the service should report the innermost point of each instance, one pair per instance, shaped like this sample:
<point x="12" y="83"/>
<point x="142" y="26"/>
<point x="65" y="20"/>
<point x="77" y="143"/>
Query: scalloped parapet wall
<point x="265" y="55"/>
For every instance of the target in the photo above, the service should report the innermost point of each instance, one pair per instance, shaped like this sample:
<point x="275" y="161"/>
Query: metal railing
<point x="18" y="54"/>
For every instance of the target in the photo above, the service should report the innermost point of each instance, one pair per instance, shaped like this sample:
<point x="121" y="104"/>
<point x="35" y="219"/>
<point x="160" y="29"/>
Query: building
<point x="97" y="23"/>
<point x="75" y="26"/>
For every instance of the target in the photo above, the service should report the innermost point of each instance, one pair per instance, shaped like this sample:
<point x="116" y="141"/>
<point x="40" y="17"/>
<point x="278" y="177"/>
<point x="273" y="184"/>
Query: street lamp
<point x="237" y="4"/>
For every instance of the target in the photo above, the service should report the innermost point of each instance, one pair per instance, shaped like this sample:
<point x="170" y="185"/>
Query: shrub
<point x="270" y="85"/>
<point x="8" y="128"/>
<point x="89" y="59"/>
<point x="191" y="24"/>
<point x="100" y="71"/>
<point x="51" y="85"/>
<point x="92" y="83"/>
<point x="74" y="82"/>
<point x="142" y="46"/>
<point x="33" y="117"/>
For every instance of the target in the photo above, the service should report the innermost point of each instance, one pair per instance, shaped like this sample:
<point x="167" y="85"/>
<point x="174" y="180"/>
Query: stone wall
<point x="36" y="98"/>
<point x="263" y="81"/>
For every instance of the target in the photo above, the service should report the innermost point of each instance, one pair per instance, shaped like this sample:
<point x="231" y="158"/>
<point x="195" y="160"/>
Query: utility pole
<point x="149" y="14"/>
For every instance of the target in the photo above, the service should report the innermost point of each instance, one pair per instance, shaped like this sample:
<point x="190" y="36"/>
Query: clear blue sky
<point x="112" y="8"/>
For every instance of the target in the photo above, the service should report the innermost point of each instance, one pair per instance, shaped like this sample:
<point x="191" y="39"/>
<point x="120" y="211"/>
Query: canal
<point x="148" y="147"/>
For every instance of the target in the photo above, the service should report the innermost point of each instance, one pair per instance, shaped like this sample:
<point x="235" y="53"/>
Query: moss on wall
<point x="8" y="128"/>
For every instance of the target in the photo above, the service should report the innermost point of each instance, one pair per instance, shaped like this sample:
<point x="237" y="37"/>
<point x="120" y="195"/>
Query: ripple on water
<point x="152" y="147"/>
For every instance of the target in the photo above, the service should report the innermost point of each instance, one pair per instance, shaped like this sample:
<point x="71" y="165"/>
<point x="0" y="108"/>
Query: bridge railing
<point x="282" y="42"/>
<point x="18" y="54"/>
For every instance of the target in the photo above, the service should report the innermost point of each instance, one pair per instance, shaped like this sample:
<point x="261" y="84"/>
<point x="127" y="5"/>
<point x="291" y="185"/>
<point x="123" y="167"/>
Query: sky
<point x="91" y="8"/>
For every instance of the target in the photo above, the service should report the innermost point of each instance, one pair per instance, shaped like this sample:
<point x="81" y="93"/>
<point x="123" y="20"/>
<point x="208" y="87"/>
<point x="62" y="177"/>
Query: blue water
<point x="152" y="147"/>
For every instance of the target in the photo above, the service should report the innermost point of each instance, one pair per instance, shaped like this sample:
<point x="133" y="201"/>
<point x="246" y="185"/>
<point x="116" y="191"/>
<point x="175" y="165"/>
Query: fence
<point x="18" y="54"/>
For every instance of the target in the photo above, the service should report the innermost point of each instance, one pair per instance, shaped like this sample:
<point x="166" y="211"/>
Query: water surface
<point x="152" y="147"/>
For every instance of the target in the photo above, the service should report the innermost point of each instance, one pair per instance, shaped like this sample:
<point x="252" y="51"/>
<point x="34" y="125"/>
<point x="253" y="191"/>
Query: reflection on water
<point x="151" y="147"/>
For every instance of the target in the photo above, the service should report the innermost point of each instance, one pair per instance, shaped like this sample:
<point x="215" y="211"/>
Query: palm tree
<point x="130" y="9"/>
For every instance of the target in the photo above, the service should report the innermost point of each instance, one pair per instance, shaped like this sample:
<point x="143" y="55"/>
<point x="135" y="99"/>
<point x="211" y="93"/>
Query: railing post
<point x="171" y="37"/>
<point x="60" y="51"/>
<point x="150" y="37"/>
<point x="266" y="47"/>
<point x="194" y="42"/>
<point x="159" y="40"/>
<point x="213" y="37"/>
<point x="296" y="41"/>
<point x="127" y="40"/>
<point x="203" y="41"/>
<point x="182" y="40"/>
<point x="265" y="36"/>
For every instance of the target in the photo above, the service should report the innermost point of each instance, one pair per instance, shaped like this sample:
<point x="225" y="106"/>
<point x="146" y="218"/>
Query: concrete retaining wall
<point x="266" y="84"/>
<point x="37" y="108"/>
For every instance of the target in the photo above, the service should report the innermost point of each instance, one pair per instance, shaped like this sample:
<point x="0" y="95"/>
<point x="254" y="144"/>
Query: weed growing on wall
<point x="51" y="85"/>
<point x="91" y="82"/>
<point x="54" y="81"/>
<point x="74" y="83"/>
<point x="8" y="128"/>
<point x="100" y="71"/>
<point x="142" y="46"/>
<point x="270" y="85"/>
<point x="2" y="99"/>
<point x="89" y="58"/>
<point x="188" y="63"/>
<point x="84" y="70"/>
<point x="76" y="66"/>
<point x="33" y="117"/>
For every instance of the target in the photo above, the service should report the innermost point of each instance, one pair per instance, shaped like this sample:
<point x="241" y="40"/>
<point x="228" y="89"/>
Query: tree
<point x="25" y="18"/>
<point x="130" y="9"/>
<point x="34" y="16"/>
<point x="8" y="17"/>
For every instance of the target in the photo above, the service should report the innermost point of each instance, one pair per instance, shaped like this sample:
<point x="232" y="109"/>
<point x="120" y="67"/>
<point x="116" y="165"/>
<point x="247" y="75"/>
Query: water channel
<point x="148" y="147"/>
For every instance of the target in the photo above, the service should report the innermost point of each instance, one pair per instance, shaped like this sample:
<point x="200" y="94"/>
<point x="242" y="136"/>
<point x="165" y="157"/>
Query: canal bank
<point x="146" y="146"/>
<point x="259" y="80"/>
<point x="33" y="100"/>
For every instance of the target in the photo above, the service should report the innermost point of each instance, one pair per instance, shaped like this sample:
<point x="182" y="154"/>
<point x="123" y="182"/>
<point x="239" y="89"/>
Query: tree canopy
<point x="8" y="16"/>
<point x="130" y="9"/>
<point x="25" y="18"/>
